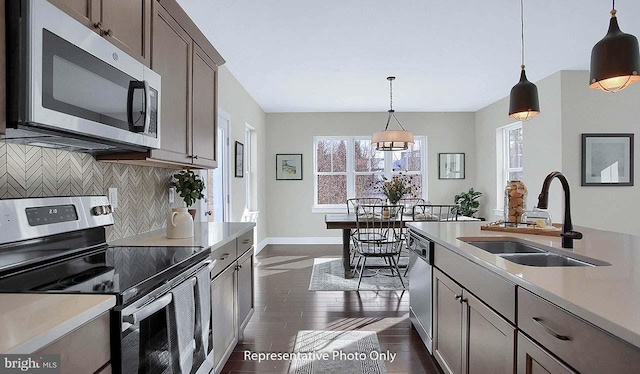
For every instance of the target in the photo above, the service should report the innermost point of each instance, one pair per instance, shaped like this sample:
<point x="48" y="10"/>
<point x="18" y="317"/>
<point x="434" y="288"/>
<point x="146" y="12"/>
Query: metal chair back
<point x="377" y="230"/>
<point x="352" y="204"/>
<point x="436" y="212"/>
<point x="409" y="203"/>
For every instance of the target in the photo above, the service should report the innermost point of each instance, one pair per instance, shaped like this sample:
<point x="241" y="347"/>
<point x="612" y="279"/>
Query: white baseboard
<point x="261" y="246"/>
<point x="297" y="240"/>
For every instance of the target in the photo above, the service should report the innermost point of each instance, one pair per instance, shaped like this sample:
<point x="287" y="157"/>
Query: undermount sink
<point x="499" y="247"/>
<point x="544" y="260"/>
<point x="530" y="254"/>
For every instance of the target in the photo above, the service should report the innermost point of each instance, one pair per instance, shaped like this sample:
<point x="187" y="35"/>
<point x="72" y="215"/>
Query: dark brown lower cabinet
<point x="489" y="338"/>
<point x="447" y="323"/>
<point x="224" y="316"/>
<point x="533" y="359"/>
<point x="469" y="337"/>
<point x="245" y="289"/>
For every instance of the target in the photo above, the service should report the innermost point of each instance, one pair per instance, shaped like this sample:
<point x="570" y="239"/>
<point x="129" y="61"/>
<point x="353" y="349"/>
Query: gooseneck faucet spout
<point x="568" y="235"/>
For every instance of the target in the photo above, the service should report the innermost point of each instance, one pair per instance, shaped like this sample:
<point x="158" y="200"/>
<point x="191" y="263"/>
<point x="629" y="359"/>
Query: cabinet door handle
<point x="245" y="241"/>
<point x="549" y="330"/>
<point x="108" y="32"/>
<point x="195" y="157"/>
<point x="458" y="297"/>
<point x="99" y="26"/>
<point x="224" y="256"/>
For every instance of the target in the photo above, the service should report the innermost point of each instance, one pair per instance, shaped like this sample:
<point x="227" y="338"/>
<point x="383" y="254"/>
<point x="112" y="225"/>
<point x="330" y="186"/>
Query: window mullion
<point x="351" y="184"/>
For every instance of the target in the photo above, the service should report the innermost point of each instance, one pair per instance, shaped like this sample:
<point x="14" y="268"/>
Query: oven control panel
<point x="44" y="215"/>
<point x="32" y="218"/>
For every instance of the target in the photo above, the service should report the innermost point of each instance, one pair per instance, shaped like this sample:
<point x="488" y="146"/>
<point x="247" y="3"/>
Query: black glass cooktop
<point x="127" y="272"/>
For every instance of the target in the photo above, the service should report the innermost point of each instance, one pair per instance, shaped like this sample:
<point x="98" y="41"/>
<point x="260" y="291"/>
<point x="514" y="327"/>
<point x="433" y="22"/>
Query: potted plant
<point x="468" y="202"/>
<point x="189" y="186"/>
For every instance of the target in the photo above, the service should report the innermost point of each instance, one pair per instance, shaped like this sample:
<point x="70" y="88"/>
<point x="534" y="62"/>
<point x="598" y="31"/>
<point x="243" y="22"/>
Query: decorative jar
<point x="515" y="202"/>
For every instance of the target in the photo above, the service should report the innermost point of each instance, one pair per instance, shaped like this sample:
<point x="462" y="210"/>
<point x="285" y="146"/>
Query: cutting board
<point x="554" y="230"/>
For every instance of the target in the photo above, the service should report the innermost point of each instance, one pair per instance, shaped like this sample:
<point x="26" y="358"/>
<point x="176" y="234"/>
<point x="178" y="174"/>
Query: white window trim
<point x="388" y="173"/>
<point x="502" y="165"/>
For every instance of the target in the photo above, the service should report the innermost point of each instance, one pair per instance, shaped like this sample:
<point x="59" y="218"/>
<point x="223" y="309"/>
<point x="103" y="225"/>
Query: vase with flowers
<point x="398" y="187"/>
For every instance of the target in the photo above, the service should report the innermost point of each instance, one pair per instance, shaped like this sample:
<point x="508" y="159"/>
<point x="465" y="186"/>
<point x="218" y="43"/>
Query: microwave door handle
<point x="148" y="309"/>
<point x="147" y="107"/>
<point x="133" y="86"/>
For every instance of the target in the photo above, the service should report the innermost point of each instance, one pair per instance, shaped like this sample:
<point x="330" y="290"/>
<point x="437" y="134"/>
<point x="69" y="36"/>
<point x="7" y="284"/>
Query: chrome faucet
<point x="568" y="235"/>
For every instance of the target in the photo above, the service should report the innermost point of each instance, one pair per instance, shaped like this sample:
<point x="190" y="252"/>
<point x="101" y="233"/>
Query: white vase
<point x="179" y="224"/>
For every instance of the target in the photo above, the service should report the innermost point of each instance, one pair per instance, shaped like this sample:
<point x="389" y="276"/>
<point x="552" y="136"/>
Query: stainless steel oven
<point x="420" y="286"/>
<point x="70" y="88"/>
<point x="146" y="343"/>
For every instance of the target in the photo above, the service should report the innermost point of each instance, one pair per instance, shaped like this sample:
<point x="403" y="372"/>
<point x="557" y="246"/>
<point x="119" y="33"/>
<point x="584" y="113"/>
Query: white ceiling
<point x="459" y="55"/>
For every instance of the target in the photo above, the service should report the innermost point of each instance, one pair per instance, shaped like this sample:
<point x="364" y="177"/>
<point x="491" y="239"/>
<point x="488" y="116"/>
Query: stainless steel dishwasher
<point x="420" y="290"/>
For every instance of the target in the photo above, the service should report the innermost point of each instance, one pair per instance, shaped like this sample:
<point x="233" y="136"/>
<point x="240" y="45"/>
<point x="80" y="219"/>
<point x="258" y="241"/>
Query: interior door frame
<point x="225" y="162"/>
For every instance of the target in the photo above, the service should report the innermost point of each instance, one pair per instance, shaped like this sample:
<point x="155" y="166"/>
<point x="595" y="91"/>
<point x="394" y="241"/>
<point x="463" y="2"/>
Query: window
<point x="346" y="167"/>
<point x="510" y="168"/>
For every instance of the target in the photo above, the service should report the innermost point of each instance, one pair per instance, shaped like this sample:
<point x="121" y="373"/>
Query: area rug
<point x="328" y="275"/>
<point x="343" y="352"/>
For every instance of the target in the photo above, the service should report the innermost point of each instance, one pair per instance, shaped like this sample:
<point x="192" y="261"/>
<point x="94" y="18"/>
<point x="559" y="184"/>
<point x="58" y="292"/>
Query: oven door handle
<point x="148" y="309"/>
<point x="211" y="264"/>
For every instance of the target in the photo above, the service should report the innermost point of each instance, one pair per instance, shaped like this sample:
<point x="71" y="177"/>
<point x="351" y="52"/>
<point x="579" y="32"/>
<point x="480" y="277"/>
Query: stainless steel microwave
<point x="69" y="88"/>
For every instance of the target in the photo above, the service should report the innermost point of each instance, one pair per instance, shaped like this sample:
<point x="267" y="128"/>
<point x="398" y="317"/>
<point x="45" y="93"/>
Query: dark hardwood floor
<point x="284" y="305"/>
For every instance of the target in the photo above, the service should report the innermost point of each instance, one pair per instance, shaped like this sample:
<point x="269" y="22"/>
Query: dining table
<point x="348" y="222"/>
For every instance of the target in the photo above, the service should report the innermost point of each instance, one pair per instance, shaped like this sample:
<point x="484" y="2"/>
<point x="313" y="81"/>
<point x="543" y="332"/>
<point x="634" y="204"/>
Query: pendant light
<point x="523" y="100"/>
<point x="615" y="60"/>
<point x="392" y="140"/>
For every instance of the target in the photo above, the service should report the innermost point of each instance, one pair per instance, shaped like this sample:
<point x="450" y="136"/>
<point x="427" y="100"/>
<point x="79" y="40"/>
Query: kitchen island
<point x="604" y="298"/>
<point x="29" y="322"/>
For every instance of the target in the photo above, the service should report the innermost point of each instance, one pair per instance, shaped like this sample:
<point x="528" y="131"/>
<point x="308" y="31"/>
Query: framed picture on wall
<point x="607" y="160"/>
<point x="239" y="160"/>
<point x="289" y="166"/>
<point x="450" y="165"/>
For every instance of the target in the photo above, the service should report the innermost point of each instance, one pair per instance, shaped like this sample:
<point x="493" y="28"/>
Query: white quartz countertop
<point x="207" y="235"/>
<point x="606" y="296"/>
<point x="29" y="322"/>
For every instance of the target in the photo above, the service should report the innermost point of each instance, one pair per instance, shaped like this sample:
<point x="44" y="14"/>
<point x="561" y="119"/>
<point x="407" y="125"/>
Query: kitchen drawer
<point x="580" y="344"/>
<point x="493" y="290"/>
<point x="224" y="256"/>
<point x="85" y="349"/>
<point x="245" y="241"/>
<point x="533" y="359"/>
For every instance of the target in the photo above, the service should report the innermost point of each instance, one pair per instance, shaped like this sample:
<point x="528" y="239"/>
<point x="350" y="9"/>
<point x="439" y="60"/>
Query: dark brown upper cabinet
<point x="125" y="23"/>
<point x="205" y="112"/>
<point x="172" y="54"/>
<point x="188" y="64"/>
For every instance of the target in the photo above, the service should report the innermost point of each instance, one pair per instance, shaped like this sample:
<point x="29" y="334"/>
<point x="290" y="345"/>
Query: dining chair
<point x="409" y="203"/>
<point x="352" y="208"/>
<point x="376" y="237"/>
<point x="436" y="212"/>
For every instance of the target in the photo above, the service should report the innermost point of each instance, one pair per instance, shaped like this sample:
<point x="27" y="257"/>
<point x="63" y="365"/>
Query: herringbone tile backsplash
<point x="40" y="172"/>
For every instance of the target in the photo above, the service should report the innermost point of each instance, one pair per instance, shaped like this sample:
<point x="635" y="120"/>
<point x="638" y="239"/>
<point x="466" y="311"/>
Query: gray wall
<point x="542" y="149"/>
<point x="289" y="208"/>
<point x="589" y="111"/>
<point x="552" y="141"/>
<point x="237" y="102"/>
